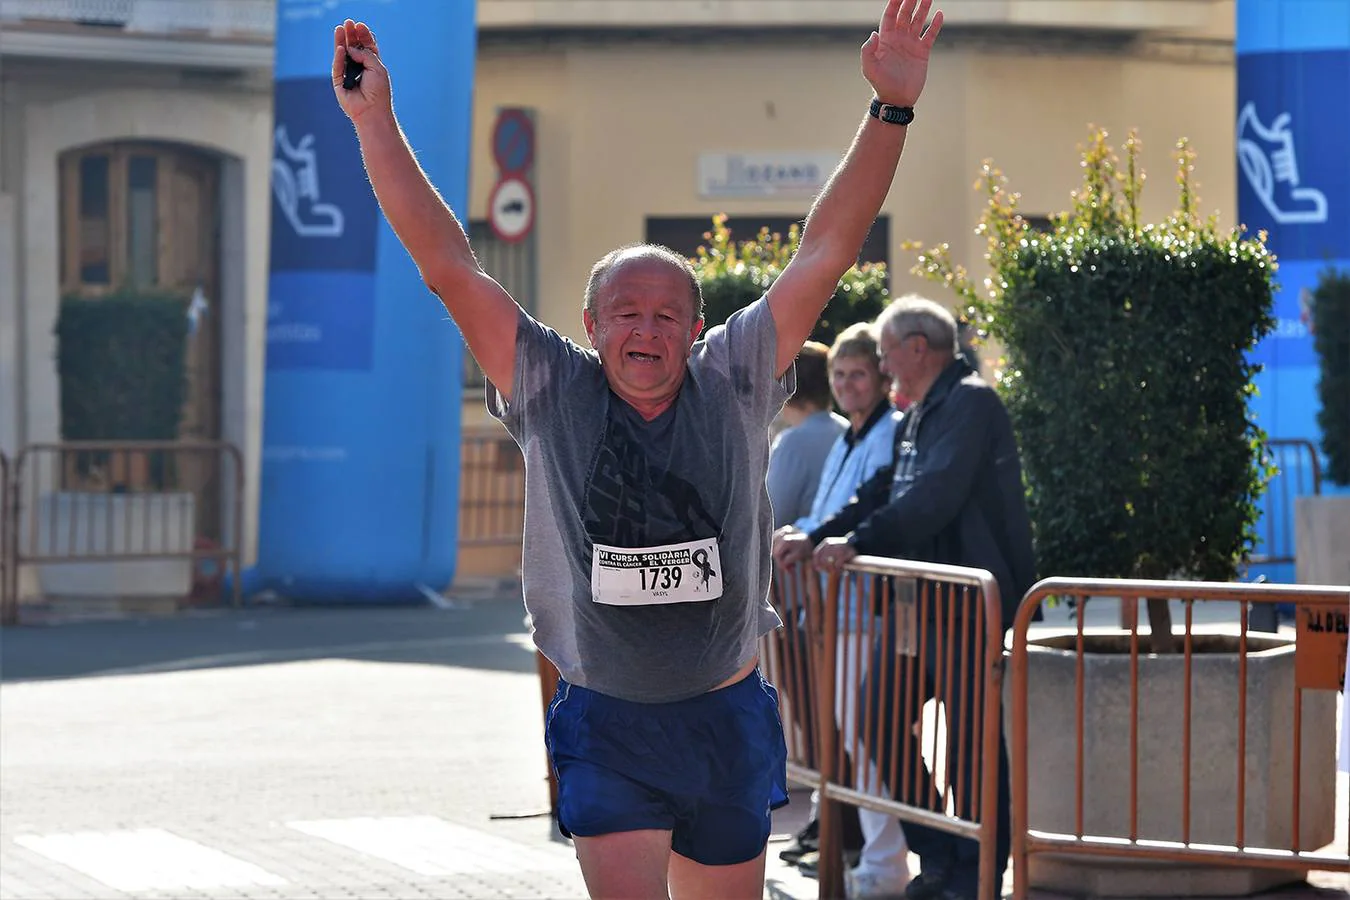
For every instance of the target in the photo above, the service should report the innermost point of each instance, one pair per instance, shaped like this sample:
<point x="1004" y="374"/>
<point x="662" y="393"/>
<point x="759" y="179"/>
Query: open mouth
<point x="642" y="357"/>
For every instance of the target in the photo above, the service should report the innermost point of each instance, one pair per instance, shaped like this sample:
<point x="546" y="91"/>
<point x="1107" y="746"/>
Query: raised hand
<point x="371" y="92"/>
<point x="895" y="57"/>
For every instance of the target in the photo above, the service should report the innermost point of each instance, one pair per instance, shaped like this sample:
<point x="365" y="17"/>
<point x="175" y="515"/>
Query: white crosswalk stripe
<point x="428" y="845"/>
<point x="148" y="859"/>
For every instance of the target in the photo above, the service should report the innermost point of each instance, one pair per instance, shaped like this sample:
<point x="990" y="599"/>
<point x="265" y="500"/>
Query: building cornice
<point x="149" y="50"/>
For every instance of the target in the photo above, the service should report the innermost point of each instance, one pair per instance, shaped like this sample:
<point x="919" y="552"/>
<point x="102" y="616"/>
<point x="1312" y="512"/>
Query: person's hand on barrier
<point x="778" y="536"/>
<point x="360" y="79"/>
<point x="791" y="547"/>
<point x="833" y="554"/>
<point x="895" y="57"/>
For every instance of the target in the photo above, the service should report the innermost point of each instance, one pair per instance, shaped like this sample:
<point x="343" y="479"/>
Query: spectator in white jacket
<point x="862" y="393"/>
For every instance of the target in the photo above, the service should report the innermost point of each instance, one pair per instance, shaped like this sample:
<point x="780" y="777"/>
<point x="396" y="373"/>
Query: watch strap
<point x="892" y="115"/>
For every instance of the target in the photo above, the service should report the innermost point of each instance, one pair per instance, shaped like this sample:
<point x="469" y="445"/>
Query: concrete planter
<point x="1321" y="524"/>
<point x="75" y="524"/>
<point x="1268" y="774"/>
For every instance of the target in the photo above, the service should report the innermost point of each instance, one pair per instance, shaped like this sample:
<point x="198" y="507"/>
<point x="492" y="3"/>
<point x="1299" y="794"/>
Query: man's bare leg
<point x="694" y="881"/>
<point x="627" y="865"/>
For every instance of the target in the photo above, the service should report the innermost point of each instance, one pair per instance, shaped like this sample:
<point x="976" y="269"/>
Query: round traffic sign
<point x="513" y="142"/>
<point x="511" y="209"/>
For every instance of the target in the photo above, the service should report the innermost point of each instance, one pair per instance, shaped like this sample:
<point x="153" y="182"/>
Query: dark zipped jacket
<point x="953" y="493"/>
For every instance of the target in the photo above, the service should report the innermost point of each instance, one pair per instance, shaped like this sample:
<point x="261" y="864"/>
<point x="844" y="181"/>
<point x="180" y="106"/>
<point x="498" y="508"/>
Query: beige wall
<point x="1103" y="14"/>
<point x="620" y="128"/>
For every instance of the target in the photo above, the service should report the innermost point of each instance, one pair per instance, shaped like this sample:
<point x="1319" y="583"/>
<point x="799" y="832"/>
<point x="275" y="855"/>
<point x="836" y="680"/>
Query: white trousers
<point x="885" y="851"/>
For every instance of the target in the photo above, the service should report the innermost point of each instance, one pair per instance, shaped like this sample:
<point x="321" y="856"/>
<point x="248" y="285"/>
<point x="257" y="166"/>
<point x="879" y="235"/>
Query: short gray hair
<point x="912" y="314"/>
<point x="601" y="270"/>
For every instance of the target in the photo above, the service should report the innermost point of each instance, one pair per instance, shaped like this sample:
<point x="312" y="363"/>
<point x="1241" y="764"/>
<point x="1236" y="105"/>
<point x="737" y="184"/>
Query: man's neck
<point x="925" y="387"/>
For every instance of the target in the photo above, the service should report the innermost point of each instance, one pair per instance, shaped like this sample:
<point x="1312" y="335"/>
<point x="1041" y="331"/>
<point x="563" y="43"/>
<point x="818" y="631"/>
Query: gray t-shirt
<point x="691" y="481"/>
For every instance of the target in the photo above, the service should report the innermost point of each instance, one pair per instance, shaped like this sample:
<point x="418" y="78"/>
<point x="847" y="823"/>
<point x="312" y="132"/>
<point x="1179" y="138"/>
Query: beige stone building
<point x="135" y="141"/>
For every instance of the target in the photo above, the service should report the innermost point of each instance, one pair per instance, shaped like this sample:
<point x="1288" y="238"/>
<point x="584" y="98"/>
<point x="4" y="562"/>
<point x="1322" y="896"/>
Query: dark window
<point x="1040" y="223"/>
<point x="95" y="233"/>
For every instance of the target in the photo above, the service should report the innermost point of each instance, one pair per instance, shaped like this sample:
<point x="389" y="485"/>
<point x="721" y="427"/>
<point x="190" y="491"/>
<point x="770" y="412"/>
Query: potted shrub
<point x="1127" y="375"/>
<point x="1322" y="522"/>
<point x="121" y="363"/>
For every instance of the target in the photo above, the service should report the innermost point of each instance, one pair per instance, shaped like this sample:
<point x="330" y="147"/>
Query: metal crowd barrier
<point x="890" y="682"/>
<point x="1298" y="472"/>
<point x="1220" y="752"/>
<point x="78" y="502"/>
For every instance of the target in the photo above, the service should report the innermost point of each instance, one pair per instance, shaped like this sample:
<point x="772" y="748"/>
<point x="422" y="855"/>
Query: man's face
<point x="643" y="326"/>
<point x="902" y="359"/>
<point x="857" y="384"/>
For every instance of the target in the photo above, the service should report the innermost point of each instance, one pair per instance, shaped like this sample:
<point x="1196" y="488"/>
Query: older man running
<point x="647" y="523"/>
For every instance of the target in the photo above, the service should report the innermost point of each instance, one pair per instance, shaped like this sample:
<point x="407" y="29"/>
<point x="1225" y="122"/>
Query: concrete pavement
<point x="286" y="753"/>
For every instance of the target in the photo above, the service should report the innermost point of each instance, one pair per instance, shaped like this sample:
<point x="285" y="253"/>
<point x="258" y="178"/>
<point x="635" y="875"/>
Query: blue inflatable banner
<point x="360" y="461"/>
<point x="1292" y="133"/>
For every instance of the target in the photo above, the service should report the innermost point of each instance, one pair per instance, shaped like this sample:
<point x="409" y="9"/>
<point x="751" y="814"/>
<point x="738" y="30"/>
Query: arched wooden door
<point x="147" y="215"/>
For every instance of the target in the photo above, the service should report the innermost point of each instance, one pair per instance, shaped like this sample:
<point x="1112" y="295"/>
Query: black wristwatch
<point x="893" y="115"/>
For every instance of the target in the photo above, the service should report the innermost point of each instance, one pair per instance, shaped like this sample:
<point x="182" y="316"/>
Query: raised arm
<point x="895" y="63"/>
<point x="426" y="226"/>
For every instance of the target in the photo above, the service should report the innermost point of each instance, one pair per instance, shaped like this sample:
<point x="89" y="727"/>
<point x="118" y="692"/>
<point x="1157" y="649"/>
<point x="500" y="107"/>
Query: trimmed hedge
<point x="1127" y="372"/>
<point x="121" y="360"/>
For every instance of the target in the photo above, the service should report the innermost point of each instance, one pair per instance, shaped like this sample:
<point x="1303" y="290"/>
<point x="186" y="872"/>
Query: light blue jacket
<point x="844" y="470"/>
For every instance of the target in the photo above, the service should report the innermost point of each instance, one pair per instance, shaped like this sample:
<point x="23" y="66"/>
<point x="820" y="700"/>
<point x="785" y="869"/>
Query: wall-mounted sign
<point x="769" y="174"/>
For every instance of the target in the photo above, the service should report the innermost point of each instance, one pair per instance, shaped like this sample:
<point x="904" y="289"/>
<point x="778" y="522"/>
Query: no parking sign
<point x="511" y="205"/>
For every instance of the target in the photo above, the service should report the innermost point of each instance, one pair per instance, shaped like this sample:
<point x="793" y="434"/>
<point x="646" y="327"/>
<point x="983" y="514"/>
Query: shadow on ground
<point x="484" y="633"/>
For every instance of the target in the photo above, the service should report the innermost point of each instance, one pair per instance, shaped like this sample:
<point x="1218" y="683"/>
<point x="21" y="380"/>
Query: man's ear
<point x="695" y="331"/>
<point x="589" y="321"/>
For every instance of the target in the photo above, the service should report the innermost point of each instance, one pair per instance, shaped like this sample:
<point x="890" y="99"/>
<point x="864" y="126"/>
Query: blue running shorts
<point x="708" y="769"/>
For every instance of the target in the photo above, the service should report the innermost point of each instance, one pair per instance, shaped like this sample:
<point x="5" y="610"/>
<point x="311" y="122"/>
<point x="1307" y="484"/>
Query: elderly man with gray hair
<point x="952" y="494"/>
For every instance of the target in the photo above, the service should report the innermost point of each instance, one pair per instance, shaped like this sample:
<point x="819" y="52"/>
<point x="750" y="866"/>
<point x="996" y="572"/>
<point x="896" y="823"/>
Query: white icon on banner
<point x="196" y="309"/>
<point x="295" y="181"/>
<point x="1295" y="206"/>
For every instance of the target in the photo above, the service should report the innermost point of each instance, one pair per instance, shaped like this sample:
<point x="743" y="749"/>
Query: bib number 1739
<point x="661" y="578"/>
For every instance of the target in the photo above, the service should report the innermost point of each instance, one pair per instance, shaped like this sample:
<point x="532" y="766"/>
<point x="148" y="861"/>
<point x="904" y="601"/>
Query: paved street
<point x="285" y="753"/>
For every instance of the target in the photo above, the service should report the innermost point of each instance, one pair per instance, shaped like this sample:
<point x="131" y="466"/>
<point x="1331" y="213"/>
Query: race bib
<point x="646" y="576"/>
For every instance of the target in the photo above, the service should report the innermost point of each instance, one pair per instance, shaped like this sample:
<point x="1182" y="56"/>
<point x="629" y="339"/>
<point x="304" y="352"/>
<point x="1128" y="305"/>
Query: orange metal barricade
<point x="492" y="490"/>
<point x="117" y="501"/>
<point x="896" y="682"/>
<point x="788" y="659"/>
<point x="1233" y="809"/>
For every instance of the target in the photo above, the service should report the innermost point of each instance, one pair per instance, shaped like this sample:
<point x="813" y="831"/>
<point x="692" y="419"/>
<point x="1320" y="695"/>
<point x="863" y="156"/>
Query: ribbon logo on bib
<point x="705" y="569"/>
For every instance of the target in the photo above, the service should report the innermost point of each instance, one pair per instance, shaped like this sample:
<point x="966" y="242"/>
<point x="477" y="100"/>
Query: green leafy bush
<point x="735" y="274"/>
<point x="1331" y="340"/>
<point x="1126" y="373"/>
<point x="121" y="360"/>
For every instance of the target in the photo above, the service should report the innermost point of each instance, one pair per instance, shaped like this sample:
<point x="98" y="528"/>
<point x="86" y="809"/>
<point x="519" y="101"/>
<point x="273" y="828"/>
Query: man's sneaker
<point x="927" y="886"/>
<point x="808" y="839"/>
<point x="873" y="886"/>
